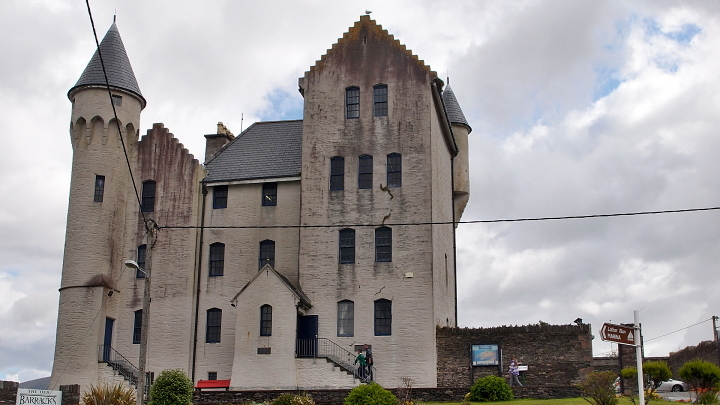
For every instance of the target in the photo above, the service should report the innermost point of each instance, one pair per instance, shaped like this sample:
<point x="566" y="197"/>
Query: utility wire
<point x="682" y="329"/>
<point x="480" y="221"/>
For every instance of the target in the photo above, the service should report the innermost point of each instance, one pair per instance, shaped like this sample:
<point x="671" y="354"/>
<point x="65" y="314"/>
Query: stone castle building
<point x="291" y="245"/>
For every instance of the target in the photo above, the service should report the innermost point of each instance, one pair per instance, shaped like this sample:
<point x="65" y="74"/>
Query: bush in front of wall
<point x="370" y="394"/>
<point x="490" y="388"/>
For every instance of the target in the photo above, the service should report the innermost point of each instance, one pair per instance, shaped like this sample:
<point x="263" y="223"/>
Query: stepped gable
<point x="265" y="150"/>
<point x="120" y="73"/>
<point x="454" y="112"/>
<point x="374" y="28"/>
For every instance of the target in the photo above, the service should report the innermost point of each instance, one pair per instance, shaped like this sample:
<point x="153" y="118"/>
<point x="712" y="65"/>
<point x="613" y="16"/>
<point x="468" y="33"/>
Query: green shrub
<point x="656" y="372"/>
<point x="303" y="399"/>
<point x="704" y="378"/>
<point x="283" y="399"/>
<point x="107" y="395"/>
<point x="172" y="387"/>
<point x="490" y="388"/>
<point x="370" y="394"/>
<point x="598" y="388"/>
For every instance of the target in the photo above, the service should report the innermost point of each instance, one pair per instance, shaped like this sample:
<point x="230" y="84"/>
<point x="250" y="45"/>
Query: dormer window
<point x="352" y="102"/>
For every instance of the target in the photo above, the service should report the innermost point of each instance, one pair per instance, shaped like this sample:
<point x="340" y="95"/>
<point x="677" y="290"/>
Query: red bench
<point x="203" y="384"/>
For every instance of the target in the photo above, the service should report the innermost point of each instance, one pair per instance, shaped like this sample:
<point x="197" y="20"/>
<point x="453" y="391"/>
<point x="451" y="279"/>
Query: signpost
<point x="625" y="335"/>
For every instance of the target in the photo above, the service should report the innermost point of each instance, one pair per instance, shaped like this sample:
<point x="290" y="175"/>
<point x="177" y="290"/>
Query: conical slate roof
<point x="453" y="109"/>
<point x="117" y="65"/>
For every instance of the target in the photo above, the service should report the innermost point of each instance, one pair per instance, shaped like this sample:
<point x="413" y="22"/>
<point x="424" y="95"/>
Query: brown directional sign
<point x="617" y="333"/>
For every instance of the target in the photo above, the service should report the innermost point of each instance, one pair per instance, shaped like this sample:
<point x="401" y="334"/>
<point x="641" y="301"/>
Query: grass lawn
<point x="564" y="401"/>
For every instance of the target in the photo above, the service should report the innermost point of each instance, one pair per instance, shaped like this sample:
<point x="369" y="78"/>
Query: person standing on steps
<point x="362" y="366"/>
<point x="369" y="360"/>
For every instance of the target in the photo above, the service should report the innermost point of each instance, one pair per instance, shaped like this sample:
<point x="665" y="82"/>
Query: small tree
<point x="598" y="388"/>
<point x="704" y="378"/>
<point x="656" y="372"/>
<point x="172" y="387"/>
<point x="490" y="388"/>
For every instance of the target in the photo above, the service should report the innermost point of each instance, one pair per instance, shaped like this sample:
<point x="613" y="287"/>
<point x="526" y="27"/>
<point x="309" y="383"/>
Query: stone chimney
<point x="215" y="142"/>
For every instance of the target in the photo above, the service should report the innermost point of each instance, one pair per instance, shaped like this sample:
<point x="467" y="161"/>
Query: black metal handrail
<point x="326" y="348"/>
<point x="118" y="362"/>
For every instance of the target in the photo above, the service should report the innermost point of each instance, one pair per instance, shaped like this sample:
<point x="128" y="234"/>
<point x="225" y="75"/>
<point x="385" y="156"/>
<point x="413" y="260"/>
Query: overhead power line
<point x="479" y="221"/>
<point x="679" y="330"/>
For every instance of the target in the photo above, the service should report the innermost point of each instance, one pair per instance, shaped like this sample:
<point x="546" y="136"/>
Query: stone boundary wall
<point x="8" y="393"/>
<point x="336" y="397"/>
<point x="707" y="350"/>
<point x="557" y="355"/>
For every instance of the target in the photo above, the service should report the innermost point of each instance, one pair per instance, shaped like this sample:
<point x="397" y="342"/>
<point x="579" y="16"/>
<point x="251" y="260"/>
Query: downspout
<point x="199" y="279"/>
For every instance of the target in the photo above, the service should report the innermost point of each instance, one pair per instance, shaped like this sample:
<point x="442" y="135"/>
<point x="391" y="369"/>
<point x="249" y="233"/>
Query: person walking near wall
<point x="362" y="366"/>
<point x="369" y="360"/>
<point x="514" y="372"/>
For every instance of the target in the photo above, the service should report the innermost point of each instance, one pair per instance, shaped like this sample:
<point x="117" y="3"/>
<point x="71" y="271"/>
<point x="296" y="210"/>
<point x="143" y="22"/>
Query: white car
<point x="673" y="385"/>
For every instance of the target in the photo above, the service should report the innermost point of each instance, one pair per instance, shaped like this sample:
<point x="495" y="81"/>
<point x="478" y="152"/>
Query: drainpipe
<point x="199" y="279"/>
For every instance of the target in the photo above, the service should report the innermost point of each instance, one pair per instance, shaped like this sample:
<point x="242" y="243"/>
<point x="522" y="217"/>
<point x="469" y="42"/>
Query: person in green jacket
<point x="362" y="366"/>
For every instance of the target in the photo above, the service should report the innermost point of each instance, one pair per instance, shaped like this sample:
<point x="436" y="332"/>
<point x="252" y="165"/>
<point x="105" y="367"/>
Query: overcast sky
<point x="577" y="107"/>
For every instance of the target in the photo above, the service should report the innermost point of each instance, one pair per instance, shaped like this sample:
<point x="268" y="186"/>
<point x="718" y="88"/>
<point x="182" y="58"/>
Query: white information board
<point x="38" y="397"/>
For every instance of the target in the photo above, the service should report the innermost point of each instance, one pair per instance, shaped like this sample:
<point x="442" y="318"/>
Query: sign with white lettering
<point x="485" y="355"/>
<point x="624" y="335"/>
<point x="38" y="397"/>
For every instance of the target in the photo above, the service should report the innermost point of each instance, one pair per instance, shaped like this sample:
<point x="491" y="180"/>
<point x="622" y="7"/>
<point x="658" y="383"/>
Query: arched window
<point x="383" y="244"/>
<point x="217" y="259"/>
<point x="337" y="173"/>
<point x="347" y="246"/>
<point x="345" y="318"/>
<point x="214" y="324"/>
<point x="380" y="100"/>
<point x="267" y="253"/>
<point x="394" y="170"/>
<point x="266" y="320"/>
<point x="383" y="317"/>
<point x="352" y="102"/>
<point x="148" y="196"/>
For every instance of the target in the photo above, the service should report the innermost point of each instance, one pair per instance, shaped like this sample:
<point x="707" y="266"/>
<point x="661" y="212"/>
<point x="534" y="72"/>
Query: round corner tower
<point x="99" y="191"/>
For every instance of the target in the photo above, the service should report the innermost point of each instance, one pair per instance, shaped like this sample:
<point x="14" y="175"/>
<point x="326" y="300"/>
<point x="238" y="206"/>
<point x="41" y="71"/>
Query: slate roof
<point x="454" y="112"/>
<point x="263" y="151"/>
<point x="117" y="65"/>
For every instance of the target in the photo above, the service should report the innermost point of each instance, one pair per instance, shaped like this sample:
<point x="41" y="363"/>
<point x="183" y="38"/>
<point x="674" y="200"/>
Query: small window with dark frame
<point x="380" y="100"/>
<point x="383" y="317"/>
<point x="140" y="260"/>
<point x="365" y="171"/>
<point x="220" y="195"/>
<point x="99" y="188"/>
<point x="347" y="246"/>
<point x="394" y="170"/>
<point x="266" y="320"/>
<point x="214" y="324"/>
<point x="212" y="375"/>
<point x="117" y="100"/>
<point x="269" y="194"/>
<point x="137" y="327"/>
<point x="217" y="259"/>
<point x="346" y="318"/>
<point x="352" y="102"/>
<point x="383" y="244"/>
<point x="148" y="196"/>
<point x="267" y="253"/>
<point x="337" y="173"/>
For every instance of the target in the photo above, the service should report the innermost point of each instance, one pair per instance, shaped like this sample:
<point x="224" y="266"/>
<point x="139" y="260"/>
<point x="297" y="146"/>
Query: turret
<point x="461" y="166"/>
<point x="99" y="193"/>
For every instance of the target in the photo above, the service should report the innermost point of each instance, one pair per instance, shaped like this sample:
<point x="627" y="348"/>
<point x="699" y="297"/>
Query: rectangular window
<point x="148" y="196"/>
<point x="365" y="171"/>
<point x="220" y="194"/>
<point x="394" y="170"/>
<point x="267" y="253"/>
<point x="347" y="246"/>
<point x="141" y="254"/>
<point x="217" y="259"/>
<point x="117" y="100"/>
<point x="383" y="317"/>
<point x="99" y="188"/>
<point x="337" y="173"/>
<point x="269" y="194"/>
<point x="137" y="327"/>
<point x="346" y="318"/>
<point x="352" y="102"/>
<point x="383" y="244"/>
<point x="380" y="100"/>
<point x="266" y="320"/>
<point x="212" y="375"/>
<point x="214" y="323"/>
